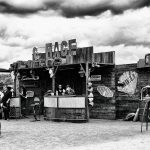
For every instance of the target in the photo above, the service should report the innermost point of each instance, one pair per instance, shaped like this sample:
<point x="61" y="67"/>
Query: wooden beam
<point x="86" y="97"/>
<point x="53" y="84"/>
<point x="15" y="84"/>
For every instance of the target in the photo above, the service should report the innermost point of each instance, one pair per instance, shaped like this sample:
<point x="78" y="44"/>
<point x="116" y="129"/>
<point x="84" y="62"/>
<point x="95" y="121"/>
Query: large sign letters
<point x="60" y="50"/>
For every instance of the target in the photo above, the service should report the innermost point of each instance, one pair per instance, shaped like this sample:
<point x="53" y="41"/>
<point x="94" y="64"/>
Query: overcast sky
<point x="107" y="25"/>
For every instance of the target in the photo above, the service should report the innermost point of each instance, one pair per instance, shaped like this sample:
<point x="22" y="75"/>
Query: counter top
<point x="71" y="101"/>
<point x="64" y="96"/>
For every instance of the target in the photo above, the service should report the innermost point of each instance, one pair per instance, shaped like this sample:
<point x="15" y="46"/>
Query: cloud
<point x="128" y="33"/>
<point x="73" y="8"/>
<point x="125" y="54"/>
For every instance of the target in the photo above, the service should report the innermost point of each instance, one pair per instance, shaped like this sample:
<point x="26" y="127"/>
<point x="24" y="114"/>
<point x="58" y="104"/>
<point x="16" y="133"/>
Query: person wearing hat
<point x="6" y="101"/>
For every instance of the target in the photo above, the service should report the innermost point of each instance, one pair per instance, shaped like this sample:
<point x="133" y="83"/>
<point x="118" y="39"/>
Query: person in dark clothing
<point x="23" y="100"/>
<point x="1" y="109"/>
<point x="6" y="101"/>
<point x="60" y="90"/>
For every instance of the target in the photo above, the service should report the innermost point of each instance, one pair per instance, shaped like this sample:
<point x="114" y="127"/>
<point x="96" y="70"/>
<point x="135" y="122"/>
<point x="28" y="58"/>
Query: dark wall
<point x="127" y="89"/>
<point x="38" y="86"/>
<point x="104" y="107"/>
<point x="71" y="77"/>
<point x="125" y="81"/>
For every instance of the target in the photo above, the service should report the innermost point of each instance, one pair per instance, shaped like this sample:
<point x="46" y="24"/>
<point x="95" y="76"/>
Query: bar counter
<point x="65" y="107"/>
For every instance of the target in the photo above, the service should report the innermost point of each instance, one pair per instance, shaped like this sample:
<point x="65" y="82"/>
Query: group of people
<point x="70" y="91"/>
<point x="7" y="93"/>
<point x="5" y="97"/>
<point x="67" y="91"/>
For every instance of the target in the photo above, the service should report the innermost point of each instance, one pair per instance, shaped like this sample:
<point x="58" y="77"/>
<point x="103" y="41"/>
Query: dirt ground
<point x="22" y="134"/>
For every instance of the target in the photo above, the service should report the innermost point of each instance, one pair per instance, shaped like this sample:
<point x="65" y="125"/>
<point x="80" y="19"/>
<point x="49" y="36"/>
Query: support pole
<point x="15" y="84"/>
<point x="147" y="115"/>
<point x="53" y="84"/>
<point x="0" y="129"/>
<point x="86" y="97"/>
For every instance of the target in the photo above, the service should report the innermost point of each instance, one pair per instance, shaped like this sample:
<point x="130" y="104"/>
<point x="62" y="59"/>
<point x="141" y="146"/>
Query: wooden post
<point x="53" y="84"/>
<point x="15" y="84"/>
<point x="86" y="97"/>
<point x="0" y="129"/>
<point x="53" y="81"/>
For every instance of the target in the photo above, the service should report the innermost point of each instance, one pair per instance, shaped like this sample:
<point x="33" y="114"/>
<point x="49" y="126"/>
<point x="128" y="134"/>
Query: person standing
<point x="23" y="100"/>
<point x="6" y="101"/>
<point x="1" y="109"/>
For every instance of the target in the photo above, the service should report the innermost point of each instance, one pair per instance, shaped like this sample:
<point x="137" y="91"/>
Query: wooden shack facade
<point x="116" y="87"/>
<point x="127" y="91"/>
<point x="130" y="79"/>
<point x="74" y="66"/>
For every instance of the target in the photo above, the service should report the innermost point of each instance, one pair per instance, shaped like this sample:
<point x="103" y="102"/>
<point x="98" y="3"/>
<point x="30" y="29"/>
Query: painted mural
<point x="127" y="82"/>
<point x="105" y="91"/>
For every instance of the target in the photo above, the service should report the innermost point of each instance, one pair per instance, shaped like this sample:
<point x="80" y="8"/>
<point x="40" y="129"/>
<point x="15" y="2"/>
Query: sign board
<point x="95" y="78"/>
<point x="15" y="102"/>
<point x="60" y="50"/>
<point x="147" y="59"/>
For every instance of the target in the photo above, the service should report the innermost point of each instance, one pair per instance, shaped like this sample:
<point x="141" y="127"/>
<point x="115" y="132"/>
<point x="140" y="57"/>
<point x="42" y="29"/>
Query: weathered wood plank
<point x="104" y="57"/>
<point x="83" y="55"/>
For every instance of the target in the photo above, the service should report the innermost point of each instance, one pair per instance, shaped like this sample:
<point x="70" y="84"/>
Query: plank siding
<point x="104" y="108"/>
<point x="104" y="57"/>
<point x="126" y="103"/>
<point x="83" y="55"/>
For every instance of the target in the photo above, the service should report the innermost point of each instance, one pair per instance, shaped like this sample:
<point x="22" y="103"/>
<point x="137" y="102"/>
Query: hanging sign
<point x="95" y="78"/>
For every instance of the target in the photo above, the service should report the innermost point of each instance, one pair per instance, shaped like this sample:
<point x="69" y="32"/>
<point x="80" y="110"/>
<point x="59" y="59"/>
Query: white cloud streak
<point x="128" y="34"/>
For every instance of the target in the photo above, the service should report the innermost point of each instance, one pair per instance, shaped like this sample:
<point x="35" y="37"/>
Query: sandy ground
<point x="22" y="134"/>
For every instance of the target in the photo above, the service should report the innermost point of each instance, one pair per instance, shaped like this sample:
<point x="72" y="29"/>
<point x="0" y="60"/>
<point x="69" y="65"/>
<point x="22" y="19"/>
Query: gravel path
<point x="22" y="134"/>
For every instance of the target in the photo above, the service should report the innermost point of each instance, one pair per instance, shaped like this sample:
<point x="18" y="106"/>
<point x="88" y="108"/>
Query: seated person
<point x="69" y="90"/>
<point x="60" y="90"/>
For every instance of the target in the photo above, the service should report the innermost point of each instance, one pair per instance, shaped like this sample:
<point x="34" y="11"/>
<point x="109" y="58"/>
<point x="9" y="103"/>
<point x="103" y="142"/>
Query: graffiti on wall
<point x="128" y="82"/>
<point x="105" y="91"/>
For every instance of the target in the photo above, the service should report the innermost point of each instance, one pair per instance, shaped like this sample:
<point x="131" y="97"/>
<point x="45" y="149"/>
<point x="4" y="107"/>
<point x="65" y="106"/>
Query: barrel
<point x="142" y="105"/>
